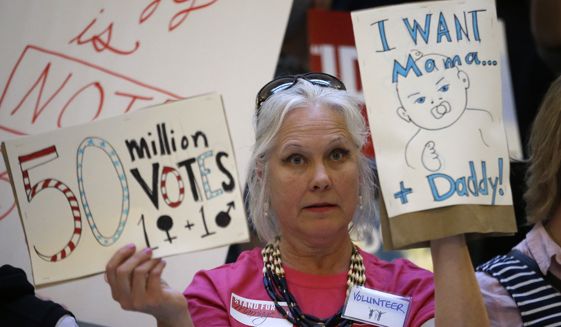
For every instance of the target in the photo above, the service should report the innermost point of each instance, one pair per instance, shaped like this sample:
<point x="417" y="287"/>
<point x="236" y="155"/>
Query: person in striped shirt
<point x="523" y="286"/>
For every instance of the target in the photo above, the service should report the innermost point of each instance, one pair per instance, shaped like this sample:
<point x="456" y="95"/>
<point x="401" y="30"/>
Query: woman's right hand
<point x="135" y="280"/>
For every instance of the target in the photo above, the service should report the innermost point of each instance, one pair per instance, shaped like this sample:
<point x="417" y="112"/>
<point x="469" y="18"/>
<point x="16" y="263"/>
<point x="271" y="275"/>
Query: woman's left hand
<point x="135" y="280"/>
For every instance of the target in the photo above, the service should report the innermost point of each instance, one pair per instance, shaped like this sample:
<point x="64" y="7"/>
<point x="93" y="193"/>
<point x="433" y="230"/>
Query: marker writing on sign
<point x="463" y="26"/>
<point x="412" y="64"/>
<point x="378" y="301"/>
<point x="444" y="186"/>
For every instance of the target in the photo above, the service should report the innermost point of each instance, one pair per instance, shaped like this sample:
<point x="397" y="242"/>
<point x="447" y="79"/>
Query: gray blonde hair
<point x="543" y="176"/>
<point x="267" y="124"/>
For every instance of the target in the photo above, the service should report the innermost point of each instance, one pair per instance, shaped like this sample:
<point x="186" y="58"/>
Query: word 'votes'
<point x="163" y="144"/>
<point x="466" y="26"/>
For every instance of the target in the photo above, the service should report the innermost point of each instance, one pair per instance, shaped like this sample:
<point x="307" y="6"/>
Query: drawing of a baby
<point x="436" y="103"/>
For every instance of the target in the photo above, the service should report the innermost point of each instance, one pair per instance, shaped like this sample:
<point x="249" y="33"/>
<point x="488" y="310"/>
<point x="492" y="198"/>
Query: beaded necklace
<point x="277" y="287"/>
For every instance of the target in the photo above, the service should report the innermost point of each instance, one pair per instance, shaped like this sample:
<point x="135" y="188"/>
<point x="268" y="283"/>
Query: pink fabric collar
<point x="540" y="246"/>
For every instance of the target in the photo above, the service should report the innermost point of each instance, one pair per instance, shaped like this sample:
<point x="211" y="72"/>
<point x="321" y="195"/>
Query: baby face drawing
<point x="435" y="99"/>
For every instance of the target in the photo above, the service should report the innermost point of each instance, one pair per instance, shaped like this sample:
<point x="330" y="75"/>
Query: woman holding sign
<point x="310" y="187"/>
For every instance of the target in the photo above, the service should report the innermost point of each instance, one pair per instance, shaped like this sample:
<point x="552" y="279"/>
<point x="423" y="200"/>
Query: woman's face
<point x="313" y="173"/>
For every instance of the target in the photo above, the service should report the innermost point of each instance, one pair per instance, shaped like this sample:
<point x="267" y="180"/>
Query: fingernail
<point x="147" y="250"/>
<point x="130" y="246"/>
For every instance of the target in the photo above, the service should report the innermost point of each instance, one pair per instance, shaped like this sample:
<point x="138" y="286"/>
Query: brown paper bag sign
<point x="164" y="177"/>
<point x="431" y="78"/>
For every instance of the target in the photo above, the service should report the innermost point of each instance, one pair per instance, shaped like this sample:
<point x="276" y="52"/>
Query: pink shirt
<point x="501" y="308"/>
<point x="234" y="295"/>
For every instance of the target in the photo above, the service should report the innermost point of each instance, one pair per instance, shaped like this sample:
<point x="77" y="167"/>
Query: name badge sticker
<point x="376" y="307"/>
<point x="257" y="312"/>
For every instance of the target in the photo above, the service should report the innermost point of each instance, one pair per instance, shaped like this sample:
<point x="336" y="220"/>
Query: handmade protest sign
<point x="70" y="62"/>
<point x="164" y="177"/>
<point x="431" y="78"/>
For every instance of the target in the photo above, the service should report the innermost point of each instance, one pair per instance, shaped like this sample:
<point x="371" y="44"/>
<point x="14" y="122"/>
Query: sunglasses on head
<point x="285" y="82"/>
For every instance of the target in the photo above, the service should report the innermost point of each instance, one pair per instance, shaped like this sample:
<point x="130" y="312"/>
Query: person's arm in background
<point x="20" y="306"/>
<point x="458" y="299"/>
<point x="545" y="17"/>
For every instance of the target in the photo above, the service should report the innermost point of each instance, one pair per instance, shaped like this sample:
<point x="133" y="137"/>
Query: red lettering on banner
<point x="38" y="107"/>
<point x="134" y="97"/>
<point x="68" y="88"/>
<point x="179" y="17"/>
<point x="149" y="10"/>
<point x="102" y="40"/>
<point x="99" y="106"/>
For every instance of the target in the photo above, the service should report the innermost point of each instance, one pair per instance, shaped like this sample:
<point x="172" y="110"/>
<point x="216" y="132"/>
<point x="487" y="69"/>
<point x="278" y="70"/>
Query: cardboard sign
<point x="431" y="78"/>
<point x="164" y="177"/>
<point x="333" y="51"/>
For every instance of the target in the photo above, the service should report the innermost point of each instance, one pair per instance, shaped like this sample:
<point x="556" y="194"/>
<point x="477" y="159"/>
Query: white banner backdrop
<point x="66" y="62"/>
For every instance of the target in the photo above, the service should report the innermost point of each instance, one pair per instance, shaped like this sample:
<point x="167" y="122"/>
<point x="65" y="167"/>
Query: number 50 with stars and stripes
<point x="46" y="156"/>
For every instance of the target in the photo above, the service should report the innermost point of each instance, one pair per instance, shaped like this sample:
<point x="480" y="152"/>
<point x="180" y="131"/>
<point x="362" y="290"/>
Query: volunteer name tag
<point x="376" y="308"/>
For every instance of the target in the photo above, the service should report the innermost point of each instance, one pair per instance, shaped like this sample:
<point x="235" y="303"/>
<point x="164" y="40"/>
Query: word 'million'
<point x="162" y="143"/>
<point x="444" y="186"/>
